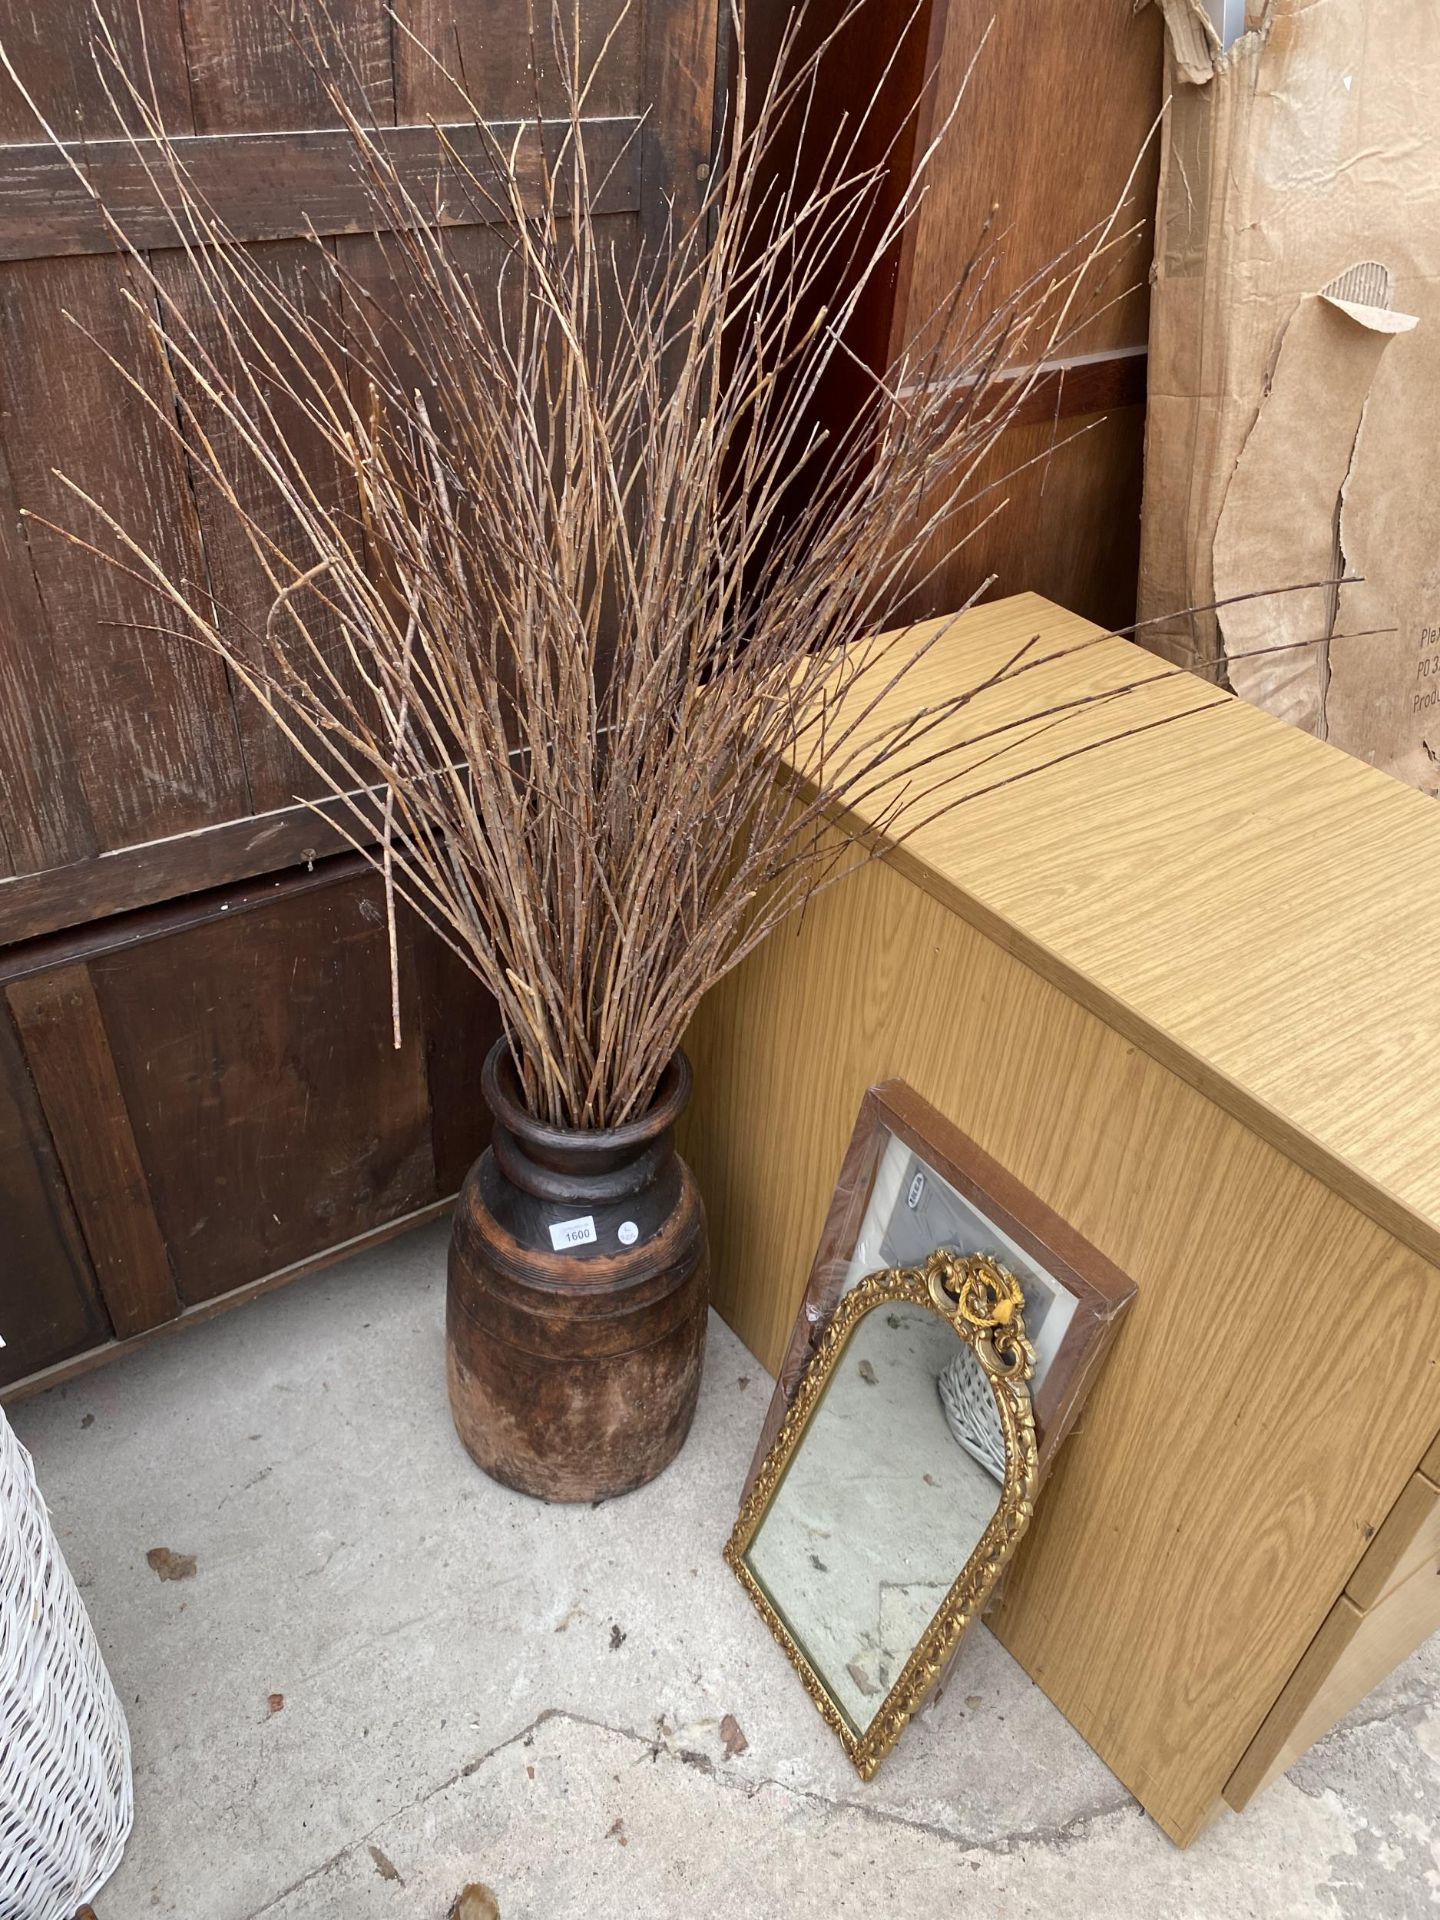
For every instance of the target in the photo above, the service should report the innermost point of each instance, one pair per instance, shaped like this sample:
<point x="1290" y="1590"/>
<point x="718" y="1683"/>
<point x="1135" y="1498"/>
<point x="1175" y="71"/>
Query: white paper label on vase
<point x="572" y="1233"/>
<point x="627" y="1233"/>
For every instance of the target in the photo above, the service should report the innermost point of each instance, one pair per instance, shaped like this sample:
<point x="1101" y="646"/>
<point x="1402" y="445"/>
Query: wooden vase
<point x="578" y="1290"/>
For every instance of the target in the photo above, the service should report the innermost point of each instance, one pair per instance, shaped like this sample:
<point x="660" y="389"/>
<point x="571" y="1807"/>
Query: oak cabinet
<point x="1127" y="976"/>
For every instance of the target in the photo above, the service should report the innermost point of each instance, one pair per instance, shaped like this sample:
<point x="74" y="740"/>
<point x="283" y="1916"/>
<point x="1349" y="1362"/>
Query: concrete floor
<point x="387" y="1677"/>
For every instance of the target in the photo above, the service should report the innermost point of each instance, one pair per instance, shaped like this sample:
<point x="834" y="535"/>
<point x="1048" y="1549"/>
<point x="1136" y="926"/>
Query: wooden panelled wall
<point x="201" y="1099"/>
<point x="1059" y="109"/>
<point x="110" y="743"/>
<point x="197" y="1086"/>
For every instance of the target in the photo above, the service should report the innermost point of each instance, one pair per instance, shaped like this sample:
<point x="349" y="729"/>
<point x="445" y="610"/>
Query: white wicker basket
<point x="65" y="1787"/>
<point x="970" y="1412"/>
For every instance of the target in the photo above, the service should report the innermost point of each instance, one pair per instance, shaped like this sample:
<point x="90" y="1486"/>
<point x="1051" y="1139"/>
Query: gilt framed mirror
<point x="874" y="1531"/>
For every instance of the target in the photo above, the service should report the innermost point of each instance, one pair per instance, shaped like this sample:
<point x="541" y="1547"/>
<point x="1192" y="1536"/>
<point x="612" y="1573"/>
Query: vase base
<point x="598" y="1449"/>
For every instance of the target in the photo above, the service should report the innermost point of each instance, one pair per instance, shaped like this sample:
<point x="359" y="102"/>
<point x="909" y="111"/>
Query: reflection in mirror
<point x="897" y="1487"/>
<point x="879" y="1511"/>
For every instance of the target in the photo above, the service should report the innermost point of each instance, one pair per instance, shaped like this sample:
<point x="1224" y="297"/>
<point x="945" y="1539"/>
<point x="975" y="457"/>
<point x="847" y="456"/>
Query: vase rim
<point x="501" y="1085"/>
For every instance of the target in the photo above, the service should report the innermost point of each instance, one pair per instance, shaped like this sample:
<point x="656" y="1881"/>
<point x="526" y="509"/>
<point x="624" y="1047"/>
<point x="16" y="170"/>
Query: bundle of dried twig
<point x="552" y="636"/>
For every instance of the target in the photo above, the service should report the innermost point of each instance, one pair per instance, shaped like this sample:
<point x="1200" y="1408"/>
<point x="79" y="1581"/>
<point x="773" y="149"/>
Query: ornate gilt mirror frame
<point x="984" y="1305"/>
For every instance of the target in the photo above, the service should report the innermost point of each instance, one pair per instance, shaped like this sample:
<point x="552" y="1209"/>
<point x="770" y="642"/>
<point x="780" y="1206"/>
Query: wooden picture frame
<point x="1028" y="1236"/>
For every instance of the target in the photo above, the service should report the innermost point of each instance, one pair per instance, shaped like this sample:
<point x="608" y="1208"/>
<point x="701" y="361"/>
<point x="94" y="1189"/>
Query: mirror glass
<point x="880" y="1508"/>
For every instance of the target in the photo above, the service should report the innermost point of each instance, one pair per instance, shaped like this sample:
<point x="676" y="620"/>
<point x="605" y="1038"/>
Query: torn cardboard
<point x="1295" y="364"/>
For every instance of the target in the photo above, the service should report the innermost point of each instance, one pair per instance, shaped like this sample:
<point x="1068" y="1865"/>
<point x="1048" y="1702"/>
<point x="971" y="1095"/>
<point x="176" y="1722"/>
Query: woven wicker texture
<point x="65" y="1787"/>
<point x="970" y="1412"/>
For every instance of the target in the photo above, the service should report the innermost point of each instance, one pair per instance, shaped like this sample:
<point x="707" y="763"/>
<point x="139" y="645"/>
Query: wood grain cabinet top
<point x="1250" y="905"/>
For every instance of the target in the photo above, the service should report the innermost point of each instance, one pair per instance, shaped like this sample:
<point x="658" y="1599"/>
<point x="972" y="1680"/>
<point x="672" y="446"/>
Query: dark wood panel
<point x="125" y="744"/>
<point x="49" y="1305"/>
<point x="44" y="818"/>
<point x="872" y="74"/>
<point x="462" y="1023"/>
<point x="237" y="1070"/>
<point x="1055" y="116"/>
<point x="678" y="140"/>
<point x="248" y="993"/>
<point x="150" y="719"/>
<point x="136" y="929"/>
<point x="377" y="283"/>
<point x="56" y="1373"/>
<point x="34" y="904"/>
<point x="68" y="1053"/>
<point x="1085" y="383"/>
<point x="49" y="44"/>
<point x="254" y="1041"/>
<point x="272" y="1113"/>
<point x="488" y="44"/>
<point x="270" y="186"/>
<point x="254" y="66"/>
<point x="1070" y="528"/>
<point x="379" y="288"/>
<point x="375" y="271"/>
<point x="241" y="582"/>
<point x="1051" y="123"/>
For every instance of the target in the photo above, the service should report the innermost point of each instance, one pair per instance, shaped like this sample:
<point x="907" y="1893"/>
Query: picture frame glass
<point x="911" y="1182"/>
<point x="913" y="1209"/>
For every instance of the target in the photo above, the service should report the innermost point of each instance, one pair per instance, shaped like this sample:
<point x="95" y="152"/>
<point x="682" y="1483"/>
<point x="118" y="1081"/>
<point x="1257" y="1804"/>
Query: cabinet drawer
<point x="1408" y="1539"/>
<point x="1398" y="1582"/>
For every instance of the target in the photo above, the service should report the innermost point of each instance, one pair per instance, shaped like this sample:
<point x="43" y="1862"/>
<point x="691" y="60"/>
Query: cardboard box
<point x="1295" y="368"/>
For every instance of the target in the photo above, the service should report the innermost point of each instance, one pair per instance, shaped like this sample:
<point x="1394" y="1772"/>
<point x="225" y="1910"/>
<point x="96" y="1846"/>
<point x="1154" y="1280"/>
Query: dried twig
<point x="549" y="636"/>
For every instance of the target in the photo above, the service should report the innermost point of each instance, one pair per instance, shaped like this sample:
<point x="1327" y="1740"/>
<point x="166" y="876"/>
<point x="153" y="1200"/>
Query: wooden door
<point x="131" y="769"/>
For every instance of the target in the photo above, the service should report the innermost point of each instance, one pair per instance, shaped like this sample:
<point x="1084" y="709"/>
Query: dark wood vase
<point x="579" y="1281"/>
